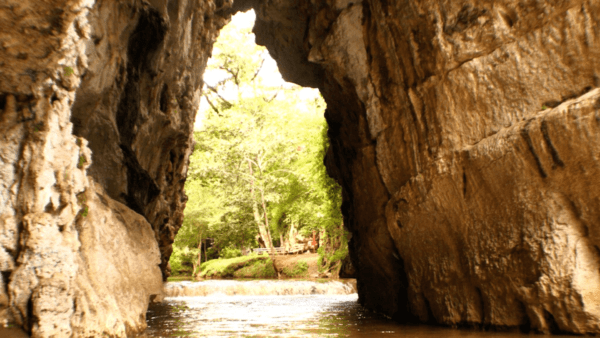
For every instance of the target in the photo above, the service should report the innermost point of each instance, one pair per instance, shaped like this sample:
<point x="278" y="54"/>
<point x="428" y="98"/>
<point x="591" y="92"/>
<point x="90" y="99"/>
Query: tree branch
<point x="256" y="164"/>
<point x="214" y="90"/>
<point x="273" y="98"/>
<point x="258" y="70"/>
<point x="212" y="105"/>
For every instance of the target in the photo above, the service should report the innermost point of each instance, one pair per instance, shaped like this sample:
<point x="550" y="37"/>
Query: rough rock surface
<point x="137" y="102"/>
<point x="465" y="135"/>
<point x="97" y="102"/>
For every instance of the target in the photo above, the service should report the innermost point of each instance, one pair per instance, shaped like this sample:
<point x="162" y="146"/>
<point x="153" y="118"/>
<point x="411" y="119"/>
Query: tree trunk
<point x="264" y="206"/>
<point x="263" y="230"/>
<point x="292" y="236"/>
<point x="198" y="263"/>
<point x="323" y="238"/>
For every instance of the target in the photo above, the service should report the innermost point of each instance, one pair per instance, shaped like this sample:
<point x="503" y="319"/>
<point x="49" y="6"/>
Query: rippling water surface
<point x="297" y="310"/>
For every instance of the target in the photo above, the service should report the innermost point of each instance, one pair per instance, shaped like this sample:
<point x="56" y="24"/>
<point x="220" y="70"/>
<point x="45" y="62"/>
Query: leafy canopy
<point x="257" y="167"/>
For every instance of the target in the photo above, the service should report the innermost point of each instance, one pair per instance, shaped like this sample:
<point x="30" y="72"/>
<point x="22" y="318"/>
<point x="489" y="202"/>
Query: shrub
<point x="245" y="267"/>
<point x="182" y="260"/>
<point x="230" y="253"/>
<point x="331" y="261"/>
<point x="268" y="270"/>
<point x="257" y="268"/>
<point x="299" y="269"/>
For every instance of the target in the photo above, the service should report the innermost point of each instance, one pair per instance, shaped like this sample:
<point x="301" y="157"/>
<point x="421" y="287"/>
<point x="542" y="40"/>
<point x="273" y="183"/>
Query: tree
<point x="256" y="172"/>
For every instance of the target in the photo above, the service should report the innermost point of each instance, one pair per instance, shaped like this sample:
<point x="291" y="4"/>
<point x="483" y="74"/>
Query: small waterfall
<point x="259" y="288"/>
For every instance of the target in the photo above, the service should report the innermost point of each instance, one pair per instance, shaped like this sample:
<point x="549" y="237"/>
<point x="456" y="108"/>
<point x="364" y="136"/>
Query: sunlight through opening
<point x="261" y="204"/>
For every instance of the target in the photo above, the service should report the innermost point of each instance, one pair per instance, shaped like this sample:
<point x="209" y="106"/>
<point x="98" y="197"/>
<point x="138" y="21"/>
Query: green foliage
<point x="258" y="269"/>
<point x="81" y="162"/>
<point x="268" y="271"/>
<point x="246" y="266"/>
<point x="68" y="71"/>
<point x="82" y="202"/>
<point x="38" y="126"/>
<point x="230" y="253"/>
<point x="179" y="278"/>
<point x="258" y="158"/>
<point x="84" y="211"/>
<point x="220" y="267"/>
<point x="300" y="269"/>
<point x="182" y="260"/>
<point x="334" y="251"/>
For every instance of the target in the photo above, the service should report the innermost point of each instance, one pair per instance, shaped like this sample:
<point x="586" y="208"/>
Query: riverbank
<point x="297" y="266"/>
<point x="259" y="267"/>
<point x="238" y="267"/>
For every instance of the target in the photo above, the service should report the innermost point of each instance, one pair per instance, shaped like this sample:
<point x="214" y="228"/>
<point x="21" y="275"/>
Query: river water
<point x="279" y="309"/>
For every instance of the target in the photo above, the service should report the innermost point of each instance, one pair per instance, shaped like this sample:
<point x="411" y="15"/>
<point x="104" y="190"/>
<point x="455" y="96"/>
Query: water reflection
<point x="248" y="316"/>
<point x="339" y="315"/>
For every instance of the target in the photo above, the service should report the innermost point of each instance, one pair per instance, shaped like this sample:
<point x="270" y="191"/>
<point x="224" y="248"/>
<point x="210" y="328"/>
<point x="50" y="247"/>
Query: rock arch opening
<point x="256" y="179"/>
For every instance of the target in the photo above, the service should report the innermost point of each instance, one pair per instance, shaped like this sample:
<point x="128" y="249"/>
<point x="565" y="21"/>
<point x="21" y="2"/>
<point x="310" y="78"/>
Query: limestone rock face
<point x="97" y="102"/>
<point x="466" y="136"/>
<point x="119" y="256"/>
<point x="137" y="102"/>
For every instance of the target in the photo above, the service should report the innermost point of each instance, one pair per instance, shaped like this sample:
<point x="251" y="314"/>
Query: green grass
<point x="300" y="269"/>
<point x="179" y="278"/>
<point x="262" y="268"/>
<point x="239" y="267"/>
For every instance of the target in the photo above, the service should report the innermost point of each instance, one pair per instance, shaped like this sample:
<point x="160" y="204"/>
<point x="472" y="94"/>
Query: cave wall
<point x="464" y="135"/>
<point x="97" y="103"/>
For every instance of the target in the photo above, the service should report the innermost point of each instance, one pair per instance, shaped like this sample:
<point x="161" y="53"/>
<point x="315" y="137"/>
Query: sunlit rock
<point x="97" y="101"/>
<point x="464" y="134"/>
<point x="470" y="199"/>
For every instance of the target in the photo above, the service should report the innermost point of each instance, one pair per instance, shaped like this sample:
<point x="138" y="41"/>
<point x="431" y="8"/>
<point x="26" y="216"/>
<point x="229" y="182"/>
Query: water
<point x="245" y="309"/>
<point x="260" y="288"/>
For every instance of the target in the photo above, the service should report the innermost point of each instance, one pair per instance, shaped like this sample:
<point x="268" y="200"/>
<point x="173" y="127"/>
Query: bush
<point x="331" y="261"/>
<point x="230" y="253"/>
<point x="258" y="268"/>
<point x="241" y="267"/>
<point x="182" y="260"/>
<point x="268" y="271"/>
<point x="299" y="269"/>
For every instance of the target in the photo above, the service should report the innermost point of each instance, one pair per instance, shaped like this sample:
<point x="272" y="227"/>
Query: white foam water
<point x="259" y="288"/>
